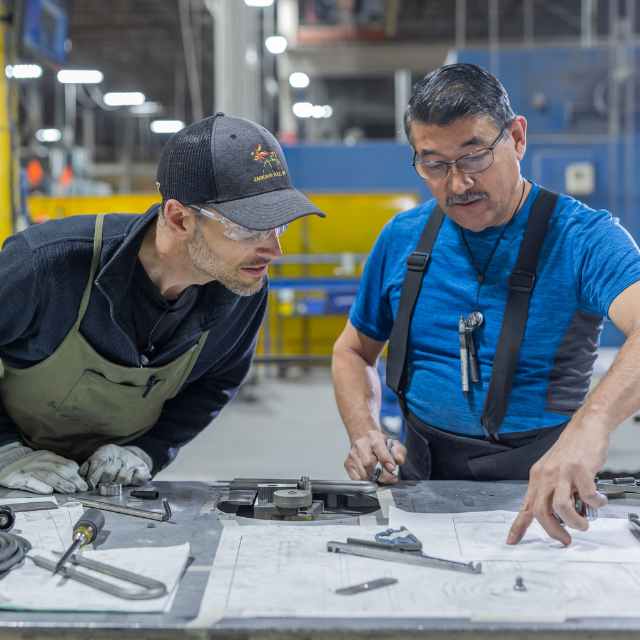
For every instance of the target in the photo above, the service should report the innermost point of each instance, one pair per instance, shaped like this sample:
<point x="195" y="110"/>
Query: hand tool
<point x="150" y="588"/>
<point x="130" y="511"/>
<point x="390" y="547"/>
<point x="379" y="468"/>
<point x="363" y="587"/>
<point x="401" y="539"/>
<point x="84" y="532"/>
<point x="472" y="322"/>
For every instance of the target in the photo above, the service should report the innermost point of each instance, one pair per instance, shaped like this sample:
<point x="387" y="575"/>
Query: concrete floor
<point x="292" y="428"/>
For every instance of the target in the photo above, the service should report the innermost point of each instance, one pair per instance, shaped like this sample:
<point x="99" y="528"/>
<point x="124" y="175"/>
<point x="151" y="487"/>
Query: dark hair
<point x="457" y="91"/>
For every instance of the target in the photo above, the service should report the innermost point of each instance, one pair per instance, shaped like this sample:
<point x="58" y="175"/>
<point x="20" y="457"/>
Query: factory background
<point x="92" y="90"/>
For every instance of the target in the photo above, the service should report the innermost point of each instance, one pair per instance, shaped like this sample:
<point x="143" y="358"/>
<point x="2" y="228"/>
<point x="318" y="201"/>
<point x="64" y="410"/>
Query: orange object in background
<point x="66" y="177"/>
<point x="35" y="173"/>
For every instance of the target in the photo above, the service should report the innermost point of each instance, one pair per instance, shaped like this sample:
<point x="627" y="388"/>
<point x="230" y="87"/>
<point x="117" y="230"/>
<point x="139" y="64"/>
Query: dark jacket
<point x="43" y="272"/>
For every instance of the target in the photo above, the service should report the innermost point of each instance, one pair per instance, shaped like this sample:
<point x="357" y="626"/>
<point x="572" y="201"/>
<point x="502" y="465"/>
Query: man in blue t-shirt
<point x="498" y="356"/>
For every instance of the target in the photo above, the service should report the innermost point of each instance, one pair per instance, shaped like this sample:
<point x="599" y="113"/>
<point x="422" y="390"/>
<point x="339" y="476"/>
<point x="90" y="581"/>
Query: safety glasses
<point x="237" y="232"/>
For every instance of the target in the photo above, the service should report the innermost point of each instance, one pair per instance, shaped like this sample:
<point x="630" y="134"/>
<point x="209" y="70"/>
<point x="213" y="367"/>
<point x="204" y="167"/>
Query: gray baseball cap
<point x="237" y="167"/>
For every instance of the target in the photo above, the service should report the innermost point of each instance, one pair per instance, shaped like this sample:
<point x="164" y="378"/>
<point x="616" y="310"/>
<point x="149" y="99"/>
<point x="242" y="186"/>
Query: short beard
<point x="206" y="262"/>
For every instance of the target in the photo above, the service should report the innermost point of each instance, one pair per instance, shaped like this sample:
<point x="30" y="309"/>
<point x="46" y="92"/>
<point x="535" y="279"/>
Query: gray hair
<point x="457" y="91"/>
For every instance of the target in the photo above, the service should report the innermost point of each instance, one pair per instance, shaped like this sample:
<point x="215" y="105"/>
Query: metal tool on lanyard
<point x="386" y="546"/>
<point x="85" y="531"/>
<point x="469" y="368"/>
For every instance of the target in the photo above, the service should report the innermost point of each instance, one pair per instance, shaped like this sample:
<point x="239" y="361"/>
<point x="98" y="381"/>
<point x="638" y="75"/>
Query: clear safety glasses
<point x="237" y="232"/>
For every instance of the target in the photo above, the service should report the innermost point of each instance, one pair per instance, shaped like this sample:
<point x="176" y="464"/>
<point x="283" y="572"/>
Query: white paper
<point x="287" y="572"/>
<point x="33" y="588"/>
<point x="481" y="536"/>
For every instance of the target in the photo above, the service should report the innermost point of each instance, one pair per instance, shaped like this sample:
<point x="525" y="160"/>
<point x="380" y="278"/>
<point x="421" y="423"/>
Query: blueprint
<point x="30" y="587"/>
<point x="287" y="572"/>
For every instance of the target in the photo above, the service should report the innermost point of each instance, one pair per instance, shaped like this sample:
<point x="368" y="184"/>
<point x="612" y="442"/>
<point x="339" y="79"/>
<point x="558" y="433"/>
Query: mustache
<point x="464" y="198"/>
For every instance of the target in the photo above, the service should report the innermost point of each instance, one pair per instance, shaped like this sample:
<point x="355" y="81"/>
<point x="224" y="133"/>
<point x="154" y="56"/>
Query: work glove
<point x="38" y="471"/>
<point x="112" y="463"/>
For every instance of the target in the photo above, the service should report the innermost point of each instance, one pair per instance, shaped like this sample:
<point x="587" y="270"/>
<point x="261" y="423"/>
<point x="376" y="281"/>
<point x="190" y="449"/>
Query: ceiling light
<point x="166" y="126"/>
<point x="80" y="76"/>
<point x="299" y="80"/>
<point x="48" y="135"/>
<point x="149" y="108"/>
<point x="302" y="109"/>
<point x="23" y="71"/>
<point x="258" y="3"/>
<point x="123" y="98"/>
<point x="276" y="44"/>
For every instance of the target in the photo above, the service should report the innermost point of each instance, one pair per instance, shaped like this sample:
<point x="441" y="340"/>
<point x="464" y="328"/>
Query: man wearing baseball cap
<point x="123" y="336"/>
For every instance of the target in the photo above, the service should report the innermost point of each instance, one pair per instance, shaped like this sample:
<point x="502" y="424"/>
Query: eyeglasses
<point x="237" y="232"/>
<point x="475" y="162"/>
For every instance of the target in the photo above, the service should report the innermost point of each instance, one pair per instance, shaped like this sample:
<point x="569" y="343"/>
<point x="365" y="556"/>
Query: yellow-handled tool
<point x="84" y="531"/>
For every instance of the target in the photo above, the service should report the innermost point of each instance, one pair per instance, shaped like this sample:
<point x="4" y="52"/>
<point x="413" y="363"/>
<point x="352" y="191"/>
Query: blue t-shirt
<point x="587" y="259"/>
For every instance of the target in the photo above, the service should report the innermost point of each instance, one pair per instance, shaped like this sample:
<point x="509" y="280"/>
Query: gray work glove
<point x="38" y="471"/>
<point x="113" y="463"/>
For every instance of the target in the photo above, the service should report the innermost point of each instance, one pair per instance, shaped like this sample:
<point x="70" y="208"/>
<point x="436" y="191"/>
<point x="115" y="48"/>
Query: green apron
<point x="75" y="401"/>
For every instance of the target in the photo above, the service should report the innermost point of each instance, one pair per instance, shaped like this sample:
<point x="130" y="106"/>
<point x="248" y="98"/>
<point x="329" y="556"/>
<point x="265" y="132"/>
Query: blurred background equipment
<point x="92" y="90"/>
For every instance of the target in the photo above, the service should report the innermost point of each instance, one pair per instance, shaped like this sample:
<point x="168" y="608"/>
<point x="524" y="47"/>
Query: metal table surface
<point x="196" y="522"/>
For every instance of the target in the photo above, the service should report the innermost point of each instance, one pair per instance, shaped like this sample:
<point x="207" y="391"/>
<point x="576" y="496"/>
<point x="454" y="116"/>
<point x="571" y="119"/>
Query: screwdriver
<point x="84" y="532"/>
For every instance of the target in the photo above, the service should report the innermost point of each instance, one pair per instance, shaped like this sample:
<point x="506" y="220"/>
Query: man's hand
<point x="38" y="471"/>
<point x="565" y="472"/>
<point x="112" y="463"/>
<point x="367" y="451"/>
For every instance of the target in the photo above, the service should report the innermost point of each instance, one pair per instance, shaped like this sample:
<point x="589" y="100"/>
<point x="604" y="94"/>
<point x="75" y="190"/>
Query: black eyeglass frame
<point x="450" y="163"/>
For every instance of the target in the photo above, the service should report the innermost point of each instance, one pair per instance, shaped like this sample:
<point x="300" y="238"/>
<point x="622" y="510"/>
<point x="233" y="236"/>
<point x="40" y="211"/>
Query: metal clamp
<point x="150" y="588"/>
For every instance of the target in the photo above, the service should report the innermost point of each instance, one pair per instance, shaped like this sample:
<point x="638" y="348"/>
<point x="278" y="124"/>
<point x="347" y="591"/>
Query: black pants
<point x="433" y="454"/>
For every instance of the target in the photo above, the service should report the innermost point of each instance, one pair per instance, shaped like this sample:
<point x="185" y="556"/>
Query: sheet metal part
<point x="321" y="486"/>
<point x="33" y="505"/>
<point x="124" y="510"/>
<point x="376" y="551"/>
<point x="364" y="587"/>
<point x="149" y="588"/>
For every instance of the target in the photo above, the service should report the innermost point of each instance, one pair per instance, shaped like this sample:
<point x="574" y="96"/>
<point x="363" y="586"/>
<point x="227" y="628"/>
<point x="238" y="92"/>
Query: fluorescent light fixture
<point x="321" y="111"/>
<point x="258" y="3"/>
<point x="146" y="109"/>
<point x="276" y="44"/>
<point x="302" y="109"/>
<point x="23" y="71"/>
<point x="299" y="80"/>
<point x="166" y="126"/>
<point x="80" y="76"/>
<point x="48" y="135"/>
<point x="123" y="98"/>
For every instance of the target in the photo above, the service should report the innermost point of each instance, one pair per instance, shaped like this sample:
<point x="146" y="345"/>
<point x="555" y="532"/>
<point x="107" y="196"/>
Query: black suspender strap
<point x="521" y="283"/>
<point x="399" y="340"/>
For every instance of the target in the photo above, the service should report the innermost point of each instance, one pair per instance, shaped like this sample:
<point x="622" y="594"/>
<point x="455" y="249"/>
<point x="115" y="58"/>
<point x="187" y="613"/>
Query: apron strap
<point x="521" y="283"/>
<point x="95" y="262"/>
<point x="398" y="346"/>
<point x="516" y="313"/>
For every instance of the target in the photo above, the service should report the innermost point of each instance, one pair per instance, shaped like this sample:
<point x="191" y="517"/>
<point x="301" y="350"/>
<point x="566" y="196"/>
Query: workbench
<point x="197" y="522"/>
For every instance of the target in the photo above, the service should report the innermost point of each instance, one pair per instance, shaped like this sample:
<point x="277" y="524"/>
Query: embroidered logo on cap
<point x="271" y="165"/>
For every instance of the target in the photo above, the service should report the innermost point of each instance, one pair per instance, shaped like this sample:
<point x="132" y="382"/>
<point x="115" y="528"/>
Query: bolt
<point x="519" y="585"/>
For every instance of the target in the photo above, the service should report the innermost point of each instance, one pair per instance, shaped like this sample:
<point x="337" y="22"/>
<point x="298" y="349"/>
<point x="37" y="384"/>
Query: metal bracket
<point x="150" y="588"/>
